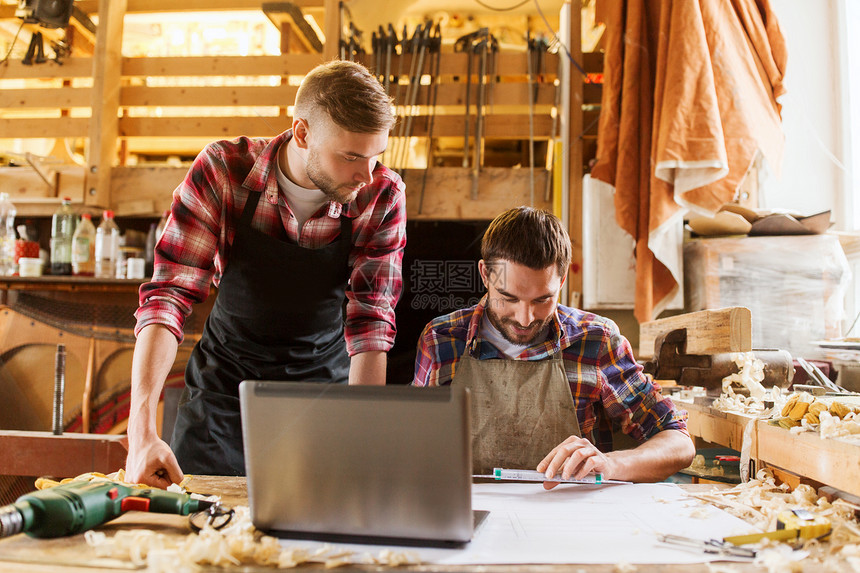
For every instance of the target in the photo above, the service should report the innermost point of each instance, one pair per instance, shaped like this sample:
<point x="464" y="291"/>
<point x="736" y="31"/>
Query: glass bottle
<point x="84" y="247"/>
<point x="62" y="232"/>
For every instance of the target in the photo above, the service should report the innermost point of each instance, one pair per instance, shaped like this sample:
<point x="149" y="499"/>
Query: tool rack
<point x="110" y="101"/>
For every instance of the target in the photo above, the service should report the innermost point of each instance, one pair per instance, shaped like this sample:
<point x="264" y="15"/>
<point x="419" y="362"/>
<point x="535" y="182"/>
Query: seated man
<point x="547" y="381"/>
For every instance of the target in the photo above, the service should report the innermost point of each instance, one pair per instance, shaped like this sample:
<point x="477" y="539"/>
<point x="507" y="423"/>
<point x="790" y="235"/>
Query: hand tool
<point x="412" y="92"/>
<point x="413" y="46"/>
<point x="709" y="546"/>
<point x="76" y="507"/>
<point x="389" y="48"/>
<point x="435" y="53"/>
<point x="672" y="362"/>
<point x="791" y="525"/>
<point x="502" y="474"/>
<point x="817" y="377"/>
<point x="481" y="49"/>
<point x="530" y="47"/>
<point x="464" y="44"/>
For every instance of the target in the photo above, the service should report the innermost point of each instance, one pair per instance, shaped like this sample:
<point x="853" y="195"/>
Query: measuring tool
<point x="531" y="475"/>
<point x="790" y="525"/>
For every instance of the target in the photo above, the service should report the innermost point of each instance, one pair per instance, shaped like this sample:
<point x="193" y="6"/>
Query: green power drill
<point x="76" y="507"/>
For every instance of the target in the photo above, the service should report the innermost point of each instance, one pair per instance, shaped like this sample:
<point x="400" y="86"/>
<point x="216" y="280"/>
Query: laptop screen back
<point x="376" y="462"/>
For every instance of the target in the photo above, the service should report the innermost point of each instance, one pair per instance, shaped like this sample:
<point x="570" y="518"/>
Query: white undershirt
<point x="490" y="333"/>
<point x="302" y="202"/>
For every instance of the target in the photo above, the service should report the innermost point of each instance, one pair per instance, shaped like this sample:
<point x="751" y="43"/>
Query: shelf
<point x="832" y="461"/>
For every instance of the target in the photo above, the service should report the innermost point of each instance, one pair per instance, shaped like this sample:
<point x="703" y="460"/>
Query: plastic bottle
<point x="7" y="235"/>
<point x="107" y="246"/>
<point x="84" y="247"/>
<point x="62" y="231"/>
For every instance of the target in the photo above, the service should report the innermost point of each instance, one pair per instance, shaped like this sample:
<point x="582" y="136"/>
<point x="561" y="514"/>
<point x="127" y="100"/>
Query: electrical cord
<point x="557" y="39"/>
<point x="508" y="9"/>
<point x="12" y="45"/>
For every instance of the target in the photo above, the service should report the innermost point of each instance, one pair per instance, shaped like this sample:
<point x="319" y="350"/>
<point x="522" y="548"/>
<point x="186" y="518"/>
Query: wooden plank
<point x="63" y="97"/>
<point x="44" y="127"/>
<point x="447" y="194"/>
<point x="69" y="455"/>
<point x="72" y="68"/>
<point x="284" y="65"/>
<point x="831" y="461"/>
<point x="282" y="95"/>
<point x="105" y="104"/>
<point x="497" y="126"/>
<point x="144" y="6"/>
<point x="450" y="94"/>
<point x="725" y="429"/>
<point x="575" y="128"/>
<point x="23" y="184"/>
<point x="457" y="64"/>
<point x="708" y="331"/>
<point x="332" y="27"/>
<point x="155" y="184"/>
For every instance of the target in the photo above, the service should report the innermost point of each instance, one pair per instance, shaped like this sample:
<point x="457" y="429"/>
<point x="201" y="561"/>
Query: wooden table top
<point x="72" y="555"/>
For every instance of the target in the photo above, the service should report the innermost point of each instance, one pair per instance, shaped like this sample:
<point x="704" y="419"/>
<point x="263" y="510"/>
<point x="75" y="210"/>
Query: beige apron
<point x="521" y="410"/>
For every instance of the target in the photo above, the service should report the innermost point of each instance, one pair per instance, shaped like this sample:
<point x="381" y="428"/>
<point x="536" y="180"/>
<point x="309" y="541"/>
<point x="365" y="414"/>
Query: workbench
<point x="832" y="462"/>
<point x="21" y="553"/>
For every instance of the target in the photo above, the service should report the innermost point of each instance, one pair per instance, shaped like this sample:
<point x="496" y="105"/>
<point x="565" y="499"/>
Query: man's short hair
<point x="534" y="238"/>
<point x="348" y="94"/>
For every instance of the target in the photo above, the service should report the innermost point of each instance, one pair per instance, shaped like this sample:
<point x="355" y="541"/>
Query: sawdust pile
<point x="760" y="500"/>
<point x="237" y="544"/>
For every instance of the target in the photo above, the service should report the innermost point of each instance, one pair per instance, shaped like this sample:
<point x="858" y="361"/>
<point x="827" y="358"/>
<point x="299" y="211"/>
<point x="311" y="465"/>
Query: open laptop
<point x="370" y="464"/>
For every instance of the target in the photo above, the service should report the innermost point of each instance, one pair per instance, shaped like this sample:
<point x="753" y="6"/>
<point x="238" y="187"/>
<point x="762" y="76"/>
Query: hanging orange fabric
<point x="689" y="104"/>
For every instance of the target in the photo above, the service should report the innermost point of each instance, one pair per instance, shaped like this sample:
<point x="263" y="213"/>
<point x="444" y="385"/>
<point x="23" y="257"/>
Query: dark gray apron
<point x="278" y="316"/>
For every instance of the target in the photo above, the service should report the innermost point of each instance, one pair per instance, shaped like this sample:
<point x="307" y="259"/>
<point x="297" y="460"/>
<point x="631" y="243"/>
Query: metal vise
<point x="671" y="362"/>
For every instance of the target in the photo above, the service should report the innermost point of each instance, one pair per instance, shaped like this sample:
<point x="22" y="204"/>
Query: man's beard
<point x="340" y="193"/>
<point x="505" y="327"/>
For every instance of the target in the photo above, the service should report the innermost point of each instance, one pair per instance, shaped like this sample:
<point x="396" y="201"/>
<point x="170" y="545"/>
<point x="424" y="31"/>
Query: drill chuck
<point x="11" y="521"/>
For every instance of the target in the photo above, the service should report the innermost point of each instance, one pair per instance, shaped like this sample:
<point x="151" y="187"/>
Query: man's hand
<point x="575" y="457"/>
<point x="152" y="463"/>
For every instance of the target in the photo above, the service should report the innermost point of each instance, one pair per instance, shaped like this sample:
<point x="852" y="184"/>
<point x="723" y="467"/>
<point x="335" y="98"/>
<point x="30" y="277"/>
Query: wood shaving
<point x="760" y="501"/>
<point x="240" y="543"/>
<point x="117" y="477"/>
<point x="624" y="567"/>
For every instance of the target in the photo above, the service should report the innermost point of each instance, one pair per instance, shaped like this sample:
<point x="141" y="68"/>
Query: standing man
<point x="285" y="227"/>
<point x="547" y="381"/>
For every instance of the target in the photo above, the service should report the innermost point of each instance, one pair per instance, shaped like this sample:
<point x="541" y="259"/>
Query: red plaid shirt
<point x="192" y="253"/>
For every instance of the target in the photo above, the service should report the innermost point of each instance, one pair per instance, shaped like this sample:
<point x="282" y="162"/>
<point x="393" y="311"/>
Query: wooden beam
<point x="281" y="13"/>
<point x="72" y="68"/>
<point x="283" y="65"/>
<point x="505" y="95"/>
<point x="575" y="127"/>
<point x="146" y="183"/>
<point x="331" y="29"/>
<point x="103" y="128"/>
<point x="69" y="455"/>
<point x="53" y="98"/>
<point x="41" y="127"/>
<point x="23" y="184"/>
<point x="145" y="6"/>
<point x="497" y="127"/>
<point x="256" y="96"/>
<point x="708" y="331"/>
<point x="447" y="193"/>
